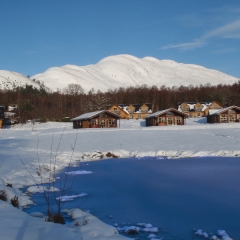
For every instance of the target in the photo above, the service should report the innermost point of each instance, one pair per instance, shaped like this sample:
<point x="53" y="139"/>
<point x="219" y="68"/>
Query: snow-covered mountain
<point x="126" y="70"/>
<point x="9" y="80"/>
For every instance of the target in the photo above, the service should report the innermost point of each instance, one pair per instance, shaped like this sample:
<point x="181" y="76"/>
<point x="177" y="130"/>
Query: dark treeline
<point x="38" y="103"/>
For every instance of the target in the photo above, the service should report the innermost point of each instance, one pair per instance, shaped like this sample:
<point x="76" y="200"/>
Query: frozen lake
<point x="174" y="195"/>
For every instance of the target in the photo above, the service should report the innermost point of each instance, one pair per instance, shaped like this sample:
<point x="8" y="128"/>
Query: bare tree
<point x="73" y="89"/>
<point x="96" y="103"/>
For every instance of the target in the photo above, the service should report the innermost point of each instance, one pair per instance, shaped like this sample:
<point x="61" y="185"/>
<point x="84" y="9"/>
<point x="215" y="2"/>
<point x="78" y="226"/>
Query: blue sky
<point x="38" y="34"/>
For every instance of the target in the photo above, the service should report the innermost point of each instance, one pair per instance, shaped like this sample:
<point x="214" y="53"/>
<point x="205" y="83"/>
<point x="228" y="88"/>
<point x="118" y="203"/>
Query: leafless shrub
<point x="3" y="195"/>
<point x="15" y="201"/>
<point x="52" y="215"/>
<point x="55" y="218"/>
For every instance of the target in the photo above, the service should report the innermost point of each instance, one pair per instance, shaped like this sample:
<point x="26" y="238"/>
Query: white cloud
<point x="225" y="50"/>
<point x="231" y="30"/>
<point x="186" y="46"/>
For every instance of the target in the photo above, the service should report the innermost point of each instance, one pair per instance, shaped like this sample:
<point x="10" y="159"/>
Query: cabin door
<point x="103" y="123"/>
<point x="170" y="121"/>
<point x="85" y="124"/>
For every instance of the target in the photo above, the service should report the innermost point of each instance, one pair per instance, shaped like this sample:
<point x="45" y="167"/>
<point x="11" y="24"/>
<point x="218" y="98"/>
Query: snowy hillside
<point x="9" y="80"/>
<point x="126" y="70"/>
<point x="120" y="71"/>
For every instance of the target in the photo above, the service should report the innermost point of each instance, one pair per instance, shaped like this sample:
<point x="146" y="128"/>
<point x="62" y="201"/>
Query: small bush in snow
<point x="15" y="202"/>
<point x="55" y="218"/>
<point x="3" y="195"/>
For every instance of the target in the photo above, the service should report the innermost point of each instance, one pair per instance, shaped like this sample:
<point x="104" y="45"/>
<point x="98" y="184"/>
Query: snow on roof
<point x="87" y="115"/>
<point x="192" y="105"/>
<point x="163" y="111"/>
<point x="223" y="110"/>
<point x="213" y="111"/>
<point x="124" y="109"/>
<point x="92" y="114"/>
<point x="157" y="113"/>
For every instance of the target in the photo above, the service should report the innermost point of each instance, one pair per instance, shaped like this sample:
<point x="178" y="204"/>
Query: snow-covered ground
<point x="28" y="152"/>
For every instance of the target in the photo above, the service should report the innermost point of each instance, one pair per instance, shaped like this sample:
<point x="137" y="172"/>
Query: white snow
<point x="31" y="155"/>
<point x="9" y="80"/>
<point x="70" y="198"/>
<point x="126" y="70"/>
<point x="78" y="172"/>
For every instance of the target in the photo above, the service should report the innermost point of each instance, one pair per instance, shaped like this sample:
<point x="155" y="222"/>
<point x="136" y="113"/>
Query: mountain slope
<point x="126" y="70"/>
<point x="9" y="80"/>
<point x="121" y="71"/>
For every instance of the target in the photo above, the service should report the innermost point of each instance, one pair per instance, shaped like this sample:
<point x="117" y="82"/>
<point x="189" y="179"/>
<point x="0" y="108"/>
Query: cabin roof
<point x="93" y="114"/>
<point x="164" y="111"/>
<point x="219" y="111"/>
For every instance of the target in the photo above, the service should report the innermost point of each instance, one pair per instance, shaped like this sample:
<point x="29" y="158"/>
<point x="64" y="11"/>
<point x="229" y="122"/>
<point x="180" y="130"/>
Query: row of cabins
<point x="141" y="111"/>
<point x="9" y="115"/>
<point x="132" y="111"/>
<point x="168" y="117"/>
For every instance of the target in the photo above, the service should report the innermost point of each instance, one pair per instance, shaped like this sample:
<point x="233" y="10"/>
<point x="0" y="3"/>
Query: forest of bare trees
<point x="73" y="101"/>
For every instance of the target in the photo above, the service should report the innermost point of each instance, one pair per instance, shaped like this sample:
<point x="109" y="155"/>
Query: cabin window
<point x="161" y="119"/>
<point x="223" y="118"/>
<point x="198" y="108"/>
<point x="185" y="108"/>
<point x="94" y="121"/>
<point x="178" y="120"/>
<point x="139" y="116"/>
<point x="238" y="116"/>
<point x="131" y="116"/>
<point x="199" y="114"/>
<point x="232" y="118"/>
<point x="111" y="122"/>
<point x="131" y="110"/>
<point x="144" y="109"/>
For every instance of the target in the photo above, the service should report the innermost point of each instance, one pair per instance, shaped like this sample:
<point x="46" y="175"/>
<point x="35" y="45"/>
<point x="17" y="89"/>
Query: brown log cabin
<point x="98" y="119"/>
<point x="166" y="117"/>
<point x="224" y="115"/>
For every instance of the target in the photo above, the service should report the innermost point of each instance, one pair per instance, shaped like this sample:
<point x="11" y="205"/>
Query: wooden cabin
<point x="166" y="117"/>
<point x="1" y="116"/>
<point x="132" y="111"/>
<point x="98" y="119"/>
<point x="119" y="111"/>
<point x="224" y="115"/>
<point x="198" y="109"/>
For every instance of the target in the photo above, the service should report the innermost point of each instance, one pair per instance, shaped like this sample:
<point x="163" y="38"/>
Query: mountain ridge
<point x="126" y="70"/>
